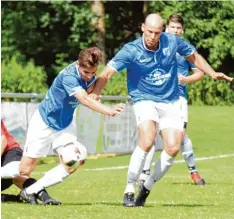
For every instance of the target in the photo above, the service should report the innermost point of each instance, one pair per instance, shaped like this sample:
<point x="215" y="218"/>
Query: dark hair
<point x="176" y="18"/>
<point x="90" y="57"/>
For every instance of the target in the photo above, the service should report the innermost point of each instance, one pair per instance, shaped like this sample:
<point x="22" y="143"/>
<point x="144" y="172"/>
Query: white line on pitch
<point x="177" y="161"/>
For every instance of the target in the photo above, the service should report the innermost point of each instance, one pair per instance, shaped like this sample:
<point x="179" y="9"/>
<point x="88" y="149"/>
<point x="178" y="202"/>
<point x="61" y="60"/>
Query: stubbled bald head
<point x="152" y="29"/>
<point x="154" y="21"/>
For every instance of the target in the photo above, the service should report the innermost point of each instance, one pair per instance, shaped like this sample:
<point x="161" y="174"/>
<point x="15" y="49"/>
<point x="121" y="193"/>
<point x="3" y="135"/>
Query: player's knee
<point x="147" y="134"/>
<point x="26" y="166"/>
<point x="72" y="156"/>
<point x="147" y="143"/>
<point x="172" y="149"/>
<point x="24" y="171"/>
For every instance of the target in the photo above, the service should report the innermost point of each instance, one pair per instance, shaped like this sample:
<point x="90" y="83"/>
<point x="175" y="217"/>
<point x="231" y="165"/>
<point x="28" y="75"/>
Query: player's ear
<point x="166" y="30"/>
<point x="143" y="27"/>
<point x="182" y="29"/>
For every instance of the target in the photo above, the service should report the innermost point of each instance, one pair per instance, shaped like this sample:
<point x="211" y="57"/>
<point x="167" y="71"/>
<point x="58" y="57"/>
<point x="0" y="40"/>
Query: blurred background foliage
<point x="40" y="38"/>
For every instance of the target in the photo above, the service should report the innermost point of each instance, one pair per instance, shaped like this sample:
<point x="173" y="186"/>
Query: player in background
<point x="11" y="154"/>
<point x="153" y="86"/>
<point x="175" y="25"/>
<point x="51" y="124"/>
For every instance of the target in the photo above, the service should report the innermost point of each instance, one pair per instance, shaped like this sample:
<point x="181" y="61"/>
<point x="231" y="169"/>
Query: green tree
<point x="20" y="78"/>
<point x="52" y="33"/>
<point x="45" y="31"/>
<point x="208" y="26"/>
<point x="117" y="86"/>
<point x="98" y="9"/>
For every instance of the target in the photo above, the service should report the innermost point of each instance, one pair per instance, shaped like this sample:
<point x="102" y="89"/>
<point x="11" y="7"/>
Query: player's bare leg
<point x="172" y="140"/>
<point x="147" y="133"/>
<point x="71" y="155"/>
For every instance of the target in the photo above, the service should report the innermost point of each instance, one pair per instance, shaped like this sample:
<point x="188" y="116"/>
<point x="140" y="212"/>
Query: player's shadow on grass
<point x="119" y="204"/>
<point x="185" y="205"/>
<point x="207" y="184"/>
<point x="77" y="203"/>
<point x="183" y="183"/>
<point x="97" y="203"/>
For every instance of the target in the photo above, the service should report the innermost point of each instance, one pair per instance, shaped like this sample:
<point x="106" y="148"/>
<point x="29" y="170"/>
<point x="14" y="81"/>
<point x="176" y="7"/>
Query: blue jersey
<point x="183" y="67"/>
<point x="152" y="75"/>
<point x="59" y="104"/>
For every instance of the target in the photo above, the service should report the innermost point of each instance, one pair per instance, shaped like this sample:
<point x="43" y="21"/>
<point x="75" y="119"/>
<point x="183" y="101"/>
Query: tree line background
<point x="40" y="38"/>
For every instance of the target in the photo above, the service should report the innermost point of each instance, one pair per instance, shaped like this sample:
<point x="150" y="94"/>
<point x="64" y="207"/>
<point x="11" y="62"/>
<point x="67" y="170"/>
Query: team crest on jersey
<point x="166" y="51"/>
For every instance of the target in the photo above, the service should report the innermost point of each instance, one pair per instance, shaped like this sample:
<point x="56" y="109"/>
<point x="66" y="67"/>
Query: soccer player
<point x="51" y="124"/>
<point x="175" y="25"/>
<point x="153" y="86"/>
<point x="11" y="153"/>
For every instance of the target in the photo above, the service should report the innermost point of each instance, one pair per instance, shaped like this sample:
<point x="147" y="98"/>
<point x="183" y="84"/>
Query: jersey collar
<point x="77" y="71"/>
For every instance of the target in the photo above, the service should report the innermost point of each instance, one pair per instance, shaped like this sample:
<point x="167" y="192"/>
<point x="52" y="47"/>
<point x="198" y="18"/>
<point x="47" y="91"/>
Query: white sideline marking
<point x="177" y="161"/>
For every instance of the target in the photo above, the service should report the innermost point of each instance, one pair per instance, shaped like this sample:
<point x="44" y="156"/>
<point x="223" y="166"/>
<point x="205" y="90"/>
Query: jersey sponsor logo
<point x="158" y="77"/>
<point x="73" y="104"/>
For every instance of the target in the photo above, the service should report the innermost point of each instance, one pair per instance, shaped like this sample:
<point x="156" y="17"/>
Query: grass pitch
<point x="92" y="194"/>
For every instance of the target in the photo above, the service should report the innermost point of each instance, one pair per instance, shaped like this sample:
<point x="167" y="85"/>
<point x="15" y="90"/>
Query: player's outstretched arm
<point x="202" y="64"/>
<point x="195" y="77"/>
<point x="97" y="106"/>
<point x="101" y="81"/>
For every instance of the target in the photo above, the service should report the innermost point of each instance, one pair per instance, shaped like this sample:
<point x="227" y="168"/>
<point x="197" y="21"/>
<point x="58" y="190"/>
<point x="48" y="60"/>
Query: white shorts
<point x="41" y="139"/>
<point x="184" y="108"/>
<point x="167" y="115"/>
<point x="158" y="144"/>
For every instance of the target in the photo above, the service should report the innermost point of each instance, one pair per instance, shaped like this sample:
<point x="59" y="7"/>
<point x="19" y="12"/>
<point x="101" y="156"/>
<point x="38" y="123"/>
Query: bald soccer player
<point x="153" y="86"/>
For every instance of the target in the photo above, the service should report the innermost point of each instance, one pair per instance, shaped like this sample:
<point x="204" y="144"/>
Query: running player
<point x="153" y="86"/>
<point x="51" y="124"/>
<point x="175" y="25"/>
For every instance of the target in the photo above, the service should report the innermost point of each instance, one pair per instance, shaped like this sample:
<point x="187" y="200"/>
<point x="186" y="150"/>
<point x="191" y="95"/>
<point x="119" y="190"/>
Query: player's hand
<point x="181" y="78"/>
<point x="117" y="109"/>
<point x="221" y="76"/>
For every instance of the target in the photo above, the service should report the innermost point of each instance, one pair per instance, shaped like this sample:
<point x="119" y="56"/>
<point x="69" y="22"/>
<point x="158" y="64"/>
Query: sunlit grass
<point x="98" y="194"/>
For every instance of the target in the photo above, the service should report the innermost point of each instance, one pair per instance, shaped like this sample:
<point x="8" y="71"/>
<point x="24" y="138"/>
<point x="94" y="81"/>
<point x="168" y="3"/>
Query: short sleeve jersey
<point x="58" y="107"/>
<point x="152" y="75"/>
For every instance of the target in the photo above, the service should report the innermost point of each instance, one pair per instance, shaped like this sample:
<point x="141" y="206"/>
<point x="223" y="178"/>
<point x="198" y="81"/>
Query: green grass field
<point x="90" y="194"/>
